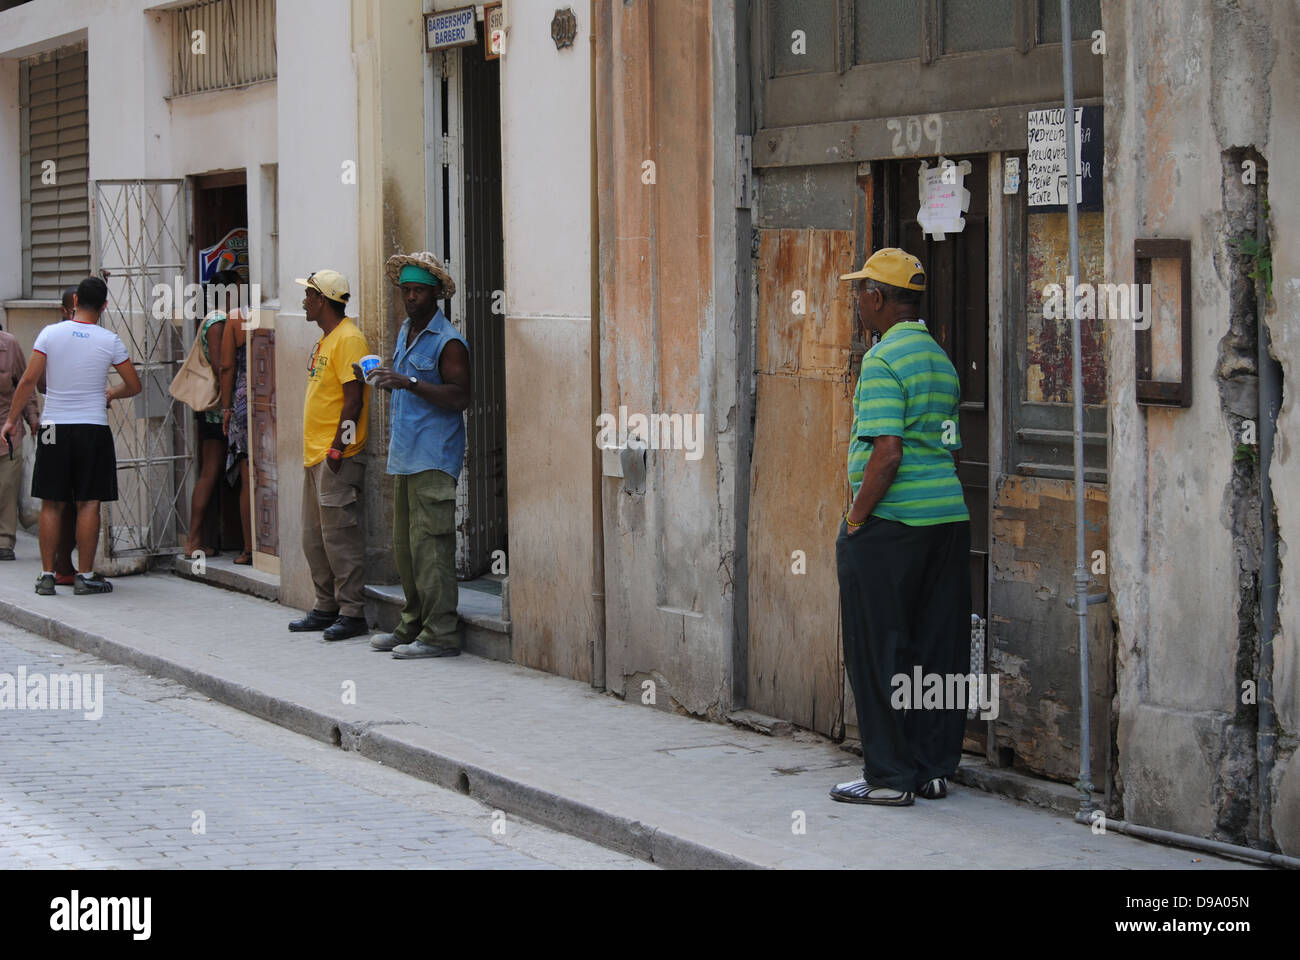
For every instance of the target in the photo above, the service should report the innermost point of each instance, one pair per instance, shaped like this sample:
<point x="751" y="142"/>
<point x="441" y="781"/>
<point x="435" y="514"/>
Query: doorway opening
<point x="220" y="218"/>
<point x="467" y="230"/>
<point x="956" y="311"/>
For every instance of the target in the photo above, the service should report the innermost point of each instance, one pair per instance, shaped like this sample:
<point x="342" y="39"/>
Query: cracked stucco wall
<point x="1187" y="81"/>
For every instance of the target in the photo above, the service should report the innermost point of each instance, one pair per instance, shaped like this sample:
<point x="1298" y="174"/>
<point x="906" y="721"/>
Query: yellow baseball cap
<point x="893" y="266"/>
<point x="330" y="284"/>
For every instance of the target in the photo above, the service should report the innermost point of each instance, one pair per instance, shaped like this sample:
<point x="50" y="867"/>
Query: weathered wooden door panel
<point x="799" y="481"/>
<point x="261" y="399"/>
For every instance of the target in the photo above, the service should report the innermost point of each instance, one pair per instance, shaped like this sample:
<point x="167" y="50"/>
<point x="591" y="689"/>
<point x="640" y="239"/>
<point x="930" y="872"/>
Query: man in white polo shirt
<point x="75" y="458"/>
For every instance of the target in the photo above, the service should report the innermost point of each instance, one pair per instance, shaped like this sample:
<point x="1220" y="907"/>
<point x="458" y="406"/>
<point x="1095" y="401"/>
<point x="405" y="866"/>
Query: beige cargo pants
<point x="333" y="538"/>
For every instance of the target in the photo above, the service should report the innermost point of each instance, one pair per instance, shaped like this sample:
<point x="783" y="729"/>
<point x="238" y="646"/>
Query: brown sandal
<point x="244" y="560"/>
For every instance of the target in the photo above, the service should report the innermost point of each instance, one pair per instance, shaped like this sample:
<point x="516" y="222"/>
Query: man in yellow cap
<point x="334" y="421"/>
<point x="903" y="549"/>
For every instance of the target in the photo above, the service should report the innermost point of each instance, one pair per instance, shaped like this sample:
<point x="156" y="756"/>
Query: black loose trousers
<point x="905" y="602"/>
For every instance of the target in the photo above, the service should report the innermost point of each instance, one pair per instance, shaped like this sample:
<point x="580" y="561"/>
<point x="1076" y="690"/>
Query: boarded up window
<point x="803" y="36"/>
<point x="886" y="30"/>
<point x="1041" y="376"/>
<point x="1085" y="17"/>
<point x="55" y="172"/>
<point x="219" y="44"/>
<point x="978" y="25"/>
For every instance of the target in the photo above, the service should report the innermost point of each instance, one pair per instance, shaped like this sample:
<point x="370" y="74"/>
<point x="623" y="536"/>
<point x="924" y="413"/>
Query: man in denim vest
<point x="429" y="383"/>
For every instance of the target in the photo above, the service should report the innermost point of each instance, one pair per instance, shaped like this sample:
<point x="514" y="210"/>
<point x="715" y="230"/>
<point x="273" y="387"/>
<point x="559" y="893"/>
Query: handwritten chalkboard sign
<point x="1047" y="180"/>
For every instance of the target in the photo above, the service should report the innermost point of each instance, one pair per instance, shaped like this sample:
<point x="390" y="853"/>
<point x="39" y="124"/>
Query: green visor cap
<point x="414" y="274"/>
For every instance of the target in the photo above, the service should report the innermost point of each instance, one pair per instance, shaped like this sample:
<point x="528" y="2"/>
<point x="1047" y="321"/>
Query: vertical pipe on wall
<point x="597" y="403"/>
<point x="1080" y="568"/>
<point x="1270" y="400"/>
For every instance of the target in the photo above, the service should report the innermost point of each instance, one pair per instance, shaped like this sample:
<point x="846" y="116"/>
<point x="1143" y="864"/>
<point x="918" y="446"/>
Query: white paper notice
<point x="1047" y="166"/>
<point x="943" y="198"/>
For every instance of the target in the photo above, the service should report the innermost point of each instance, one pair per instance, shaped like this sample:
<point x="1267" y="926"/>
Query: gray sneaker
<point x="45" y="586"/>
<point x="91" y="584"/>
<point x="419" y="650"/>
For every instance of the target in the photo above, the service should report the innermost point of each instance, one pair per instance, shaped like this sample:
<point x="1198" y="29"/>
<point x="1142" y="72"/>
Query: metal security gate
<point x="467" y="231"/>
<point x="140" y="241"/>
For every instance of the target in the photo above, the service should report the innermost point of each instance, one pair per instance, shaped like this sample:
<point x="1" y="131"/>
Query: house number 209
<point x="909" y="131"/>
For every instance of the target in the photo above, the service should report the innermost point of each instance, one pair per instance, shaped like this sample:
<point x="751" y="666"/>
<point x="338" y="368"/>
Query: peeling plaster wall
<point x="667" y="346"/>
<point x="1187" y="80"/>
<point x="1283" y="146"/>
<point x="550" y="415"/>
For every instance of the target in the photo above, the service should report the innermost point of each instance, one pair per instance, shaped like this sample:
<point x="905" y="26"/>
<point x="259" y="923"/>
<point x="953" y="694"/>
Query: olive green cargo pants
<point x="424" y="541"/>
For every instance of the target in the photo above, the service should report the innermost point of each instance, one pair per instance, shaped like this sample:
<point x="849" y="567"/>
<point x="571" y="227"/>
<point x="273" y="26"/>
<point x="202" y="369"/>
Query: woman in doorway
<point x="234" y="410"/>
<point x="212" y="442"/>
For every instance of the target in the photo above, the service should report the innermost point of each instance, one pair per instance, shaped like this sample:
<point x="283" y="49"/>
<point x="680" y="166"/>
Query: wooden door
<point x="956" y="310"/>
<point x="261" y="400"/>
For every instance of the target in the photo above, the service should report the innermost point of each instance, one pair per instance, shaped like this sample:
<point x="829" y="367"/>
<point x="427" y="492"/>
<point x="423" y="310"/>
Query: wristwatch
<point x="413" y="382"/>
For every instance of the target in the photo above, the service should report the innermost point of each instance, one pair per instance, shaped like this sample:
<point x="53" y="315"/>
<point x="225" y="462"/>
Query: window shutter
<point x="56" y="206"/>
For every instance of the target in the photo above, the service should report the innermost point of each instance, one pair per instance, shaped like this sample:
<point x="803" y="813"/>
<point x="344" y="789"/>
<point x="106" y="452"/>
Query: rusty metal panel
<point x="968" y="82"/>
<point x="1048" y="341"/>
<point x="803" y="197"/>
<point x="927" y="134"/>
<point x="799" y="486"/>
<point x="1032" y="635"/>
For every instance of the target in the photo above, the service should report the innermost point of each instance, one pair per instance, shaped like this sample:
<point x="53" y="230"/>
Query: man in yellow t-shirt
<point x="333" y="433"/>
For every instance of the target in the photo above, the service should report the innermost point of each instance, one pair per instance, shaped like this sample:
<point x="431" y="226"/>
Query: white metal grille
<point x="56" y="168"/>
<point x="141" y="242"/>
<point x="219" y="44"/>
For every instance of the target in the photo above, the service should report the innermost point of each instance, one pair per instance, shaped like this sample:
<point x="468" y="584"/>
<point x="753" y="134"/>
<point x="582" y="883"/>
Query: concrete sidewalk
<point x="669" y="789"/>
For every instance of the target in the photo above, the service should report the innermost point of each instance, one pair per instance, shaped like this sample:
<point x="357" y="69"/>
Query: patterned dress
<point x="238" y="437"/>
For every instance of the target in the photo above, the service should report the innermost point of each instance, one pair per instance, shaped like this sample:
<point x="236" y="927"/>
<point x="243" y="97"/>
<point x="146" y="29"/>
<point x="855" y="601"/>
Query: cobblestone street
<point x="167" y="778"/>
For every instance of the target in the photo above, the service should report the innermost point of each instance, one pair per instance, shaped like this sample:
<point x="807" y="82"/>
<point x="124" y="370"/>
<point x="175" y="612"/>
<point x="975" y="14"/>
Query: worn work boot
<point x="935" y="789"/>
<point x="859" y="791"/>
<point x="345" y="628"/>
<point x="313" y="622"/>
<point x="385" y="642"/>
<point x="45" y="586"/>
<point x="92" y="583"/>
<point x="419" y="650"/>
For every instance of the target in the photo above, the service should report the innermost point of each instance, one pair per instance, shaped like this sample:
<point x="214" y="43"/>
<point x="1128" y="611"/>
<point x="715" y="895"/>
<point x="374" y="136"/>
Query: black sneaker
<point x="6" y="553"/>
<point x="91" y="584"/>
<point x="45" y="585"/>
<point x="313" y="622"/>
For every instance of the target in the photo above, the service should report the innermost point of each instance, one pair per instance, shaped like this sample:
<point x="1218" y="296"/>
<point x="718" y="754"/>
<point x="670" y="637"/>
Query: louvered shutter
<point x="56" y="215"/>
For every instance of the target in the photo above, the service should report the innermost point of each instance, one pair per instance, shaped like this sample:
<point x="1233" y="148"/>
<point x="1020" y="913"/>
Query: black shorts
<point x="208" y="430"/>
<point x="75" y="463"/>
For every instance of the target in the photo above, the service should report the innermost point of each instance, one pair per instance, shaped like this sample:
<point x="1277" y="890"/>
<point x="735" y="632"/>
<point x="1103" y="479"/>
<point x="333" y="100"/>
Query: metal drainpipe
<point x="597" y="467"/>
<point x="1270" y="400"/>
<point x="1080" y="568"/>
<point x="1195" y="843"/>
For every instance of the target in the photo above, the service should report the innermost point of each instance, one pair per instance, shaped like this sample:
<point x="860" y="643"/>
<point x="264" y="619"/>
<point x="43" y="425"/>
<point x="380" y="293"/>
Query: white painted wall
<point x="135" y="132"/>
<point x="546" y="159"/>
<point x="316" y="130"/>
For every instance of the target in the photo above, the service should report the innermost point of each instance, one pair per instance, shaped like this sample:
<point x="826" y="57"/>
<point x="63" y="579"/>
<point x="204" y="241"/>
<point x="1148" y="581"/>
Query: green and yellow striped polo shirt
<point x="908" y="388"/>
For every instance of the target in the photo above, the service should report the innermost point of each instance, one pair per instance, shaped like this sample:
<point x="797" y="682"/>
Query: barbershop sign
<point x="450" y="28"/>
